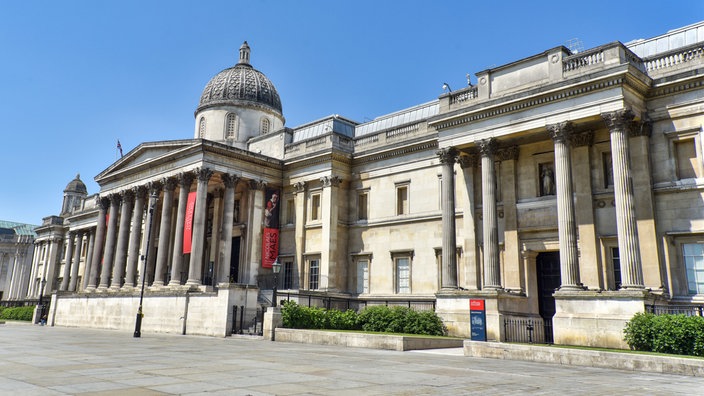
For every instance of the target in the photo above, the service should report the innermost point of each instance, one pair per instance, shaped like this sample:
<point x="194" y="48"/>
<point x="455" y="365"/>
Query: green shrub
<point x="675" y="334"/>
<point x="17" y="313"/>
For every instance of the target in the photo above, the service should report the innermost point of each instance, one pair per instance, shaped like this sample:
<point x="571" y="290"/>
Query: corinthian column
<point x="99" y="243"/>
<point x="230" y="182"/>
<point x="135" y="236"/>
<point x="118" y="269"/>
<point x="492" y="279"/>
<point x="196" y="264"/>
<point x="448" y="157"/>
<point x="76" y="262"/>
<point x="67" y="263"/>
<point x="162" y="254"/>
<point x="185" y="180"/>
<point x="109" y="256"/>
<point x="566" y="226"/>
<point x="619" y="123"/>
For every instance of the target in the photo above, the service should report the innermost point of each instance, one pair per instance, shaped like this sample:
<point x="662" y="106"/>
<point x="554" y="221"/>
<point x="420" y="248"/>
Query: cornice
<point x="327" y="156"/>
<point x="399" y="151"/>
<point x="689" y="83"/>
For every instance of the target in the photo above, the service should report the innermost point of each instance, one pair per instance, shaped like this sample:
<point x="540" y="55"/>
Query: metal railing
<point x="688" y="310"/>
<point x="530" y="330"/>
<point x="21" y="303"/>
<point x="356" y="304"/>
<point x="244" y="322"/>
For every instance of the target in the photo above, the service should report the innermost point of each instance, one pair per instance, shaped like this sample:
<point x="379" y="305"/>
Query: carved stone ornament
<point x="470" y="160"/>
<point x="185" y="179"/>
<point x="619" y="120"/>
<point x="139" y="191"/>
<point x="127" y="195"/>
<point x="203" y="174"/>
<point x="330" y="181"/>
<point x="561" y="132"/>
<point x="154" y="187"/>
<point x="169" y="183"/>
<point x="487" y="147"/>
<point x="299" y="187"/>
<point x="641" y="128"/>
<point x="102" y="203"/>
<point x="581" y="139"/>
<point x="257" y="184"/>
<point x="507" y="153"/>
<point x="447" y="155"/>
<point x="230" y="181"/>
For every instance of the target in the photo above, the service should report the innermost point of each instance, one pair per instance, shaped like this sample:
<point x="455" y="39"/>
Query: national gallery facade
<point x="566" y="187"/>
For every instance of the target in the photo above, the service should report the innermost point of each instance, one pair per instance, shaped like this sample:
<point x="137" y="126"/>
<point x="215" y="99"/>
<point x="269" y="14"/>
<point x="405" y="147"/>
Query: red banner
<point x="270" y="247"/>
<point x="188" y="222"/>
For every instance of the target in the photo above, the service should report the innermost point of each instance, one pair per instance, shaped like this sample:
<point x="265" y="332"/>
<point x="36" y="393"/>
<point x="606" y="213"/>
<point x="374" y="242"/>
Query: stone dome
<point x="76" y="185"/>
<point x="240" y="84"/>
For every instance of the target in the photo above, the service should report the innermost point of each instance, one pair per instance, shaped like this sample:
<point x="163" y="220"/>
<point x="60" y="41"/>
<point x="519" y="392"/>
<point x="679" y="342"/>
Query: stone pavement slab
<point x="59" y="361"/>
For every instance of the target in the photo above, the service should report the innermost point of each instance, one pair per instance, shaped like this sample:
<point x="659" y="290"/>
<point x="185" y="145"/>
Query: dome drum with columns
<point x="560" y="188"/>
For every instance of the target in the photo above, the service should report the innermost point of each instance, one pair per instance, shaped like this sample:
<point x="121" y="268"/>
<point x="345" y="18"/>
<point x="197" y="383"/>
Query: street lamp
<point x="138" y="324"/>
<point x="276" y="267"/>
<point x="41" y="301"/>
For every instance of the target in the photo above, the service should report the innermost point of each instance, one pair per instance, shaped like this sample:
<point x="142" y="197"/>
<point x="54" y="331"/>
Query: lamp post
<point x="41" y="301"/>
<point x="138" y="324"/>
<point x="276" y="267"/>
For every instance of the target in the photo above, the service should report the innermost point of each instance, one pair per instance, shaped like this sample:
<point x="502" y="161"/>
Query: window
<point x="288" y="274"/>
<point x="362" y="205"/>
<point x="402" y="199"/>
<point x="313" y="274"/>
<point x="616" y="267"/>
<point x="231" y="126"/>
<point x="315" y="207"/>
<point x="265" y="126"/>
<point x="686" y="159"/>
<point x="290" y="211"/>
<point x="363" y="276"/>
<point x="403" y="274"/>
<point x="201" y="128"/>
<point x="694" y="266"/>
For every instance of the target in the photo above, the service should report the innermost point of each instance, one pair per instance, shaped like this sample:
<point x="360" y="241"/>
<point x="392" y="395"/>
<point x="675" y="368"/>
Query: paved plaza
<point x="36" y="360"/>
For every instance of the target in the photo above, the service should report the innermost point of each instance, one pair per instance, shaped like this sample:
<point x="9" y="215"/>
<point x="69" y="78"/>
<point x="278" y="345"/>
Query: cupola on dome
<point x="240" y="84"/>
<point x="76" y="185"/>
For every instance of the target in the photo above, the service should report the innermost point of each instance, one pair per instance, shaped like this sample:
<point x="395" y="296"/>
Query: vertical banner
<point x="188" y="222"/>
<point x="477" y="320"/>
<point x="270" y="236"/>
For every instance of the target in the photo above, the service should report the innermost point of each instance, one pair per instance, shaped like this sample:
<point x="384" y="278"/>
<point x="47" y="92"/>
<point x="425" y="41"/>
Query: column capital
<point x="330" y="181"/>
<point x="169" y="183"/>
<point x="641" y="128"/>
<point x="257" y="184"/>
<point x="507" y="153"/>
<point x="619" y="119"/>
<point x="154" y="187"/>
<point x="561" y="132"/>
<point x="102" y="202"/>
<point x="115" y="198"/>
<point x="185" y="179"/>
<point x="299" y="187"/>
<point x="139" y="191"/>
<point x="580" y="139"/>
<point x="448" y="155"/>
<point x="127" y="195"/>
<point x="487" y="147"/>
<point x="203" y="174"/>
<point x="229" y="180"/>
<point x="468" y="160"/>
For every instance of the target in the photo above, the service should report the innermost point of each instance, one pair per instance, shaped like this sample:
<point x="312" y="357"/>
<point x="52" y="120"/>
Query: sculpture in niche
<point x="547" y="179"/>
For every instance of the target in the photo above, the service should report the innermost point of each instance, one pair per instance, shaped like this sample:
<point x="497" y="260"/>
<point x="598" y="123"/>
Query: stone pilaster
<point x="299" y="189"/>
<point x="195" y="269"/>
<point x="230" y="182"/>
<point x="73" y="282"/>
<point x="492" y="278"/>
<point x="619" y="123"/>
<point x="135" y="235"/>
<point x="512" y="277"/>
<point x="185" y="181"/>
<point x="448" y="157"/>
<point x="109" y="256"/>
<point x="566" y="225"/>
<point x="67" y="263"/>
<point x="118" y="268"/>
<point x="332" y="277"/>
<point x="164" y="231"/>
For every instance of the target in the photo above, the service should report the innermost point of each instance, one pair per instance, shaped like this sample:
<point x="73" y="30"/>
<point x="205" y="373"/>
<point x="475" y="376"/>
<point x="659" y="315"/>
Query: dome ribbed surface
<point x="76" y="185"/>
<point x="240" y="83"/>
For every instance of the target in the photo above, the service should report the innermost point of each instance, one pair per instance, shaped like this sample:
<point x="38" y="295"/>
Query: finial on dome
<point x="244" y="54"/>
<point x="78" y="176"/>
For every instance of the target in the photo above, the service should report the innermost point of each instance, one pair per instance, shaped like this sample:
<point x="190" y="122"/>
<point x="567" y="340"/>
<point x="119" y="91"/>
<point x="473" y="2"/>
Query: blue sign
<point x="477" y="320"/>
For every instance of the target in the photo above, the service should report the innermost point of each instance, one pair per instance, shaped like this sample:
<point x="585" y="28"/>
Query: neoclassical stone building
<point x="563" y="186"/>
<point x="16" y="248"/>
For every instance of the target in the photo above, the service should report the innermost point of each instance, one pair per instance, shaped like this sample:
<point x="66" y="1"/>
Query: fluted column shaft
<point x="89" y="258"/>
<point x="619" y="123"/>
<point x="99" y="244"/>
<point x="492" y="276"/>
<point x="67" y="263"/>
<point x="448" y="157"/>
<point x="135" y="236"/>
<point x="149" y="235"/>
<point x="162" y="254"/>
<point x="230" y="182"/>
<point x="196" y="264"/>
<point x="185" y="180"/>
<point x="109" y="256"/>
<point x="73" y="282"/>
<point x="566" y="225"/>
<point x="118" y="269"/>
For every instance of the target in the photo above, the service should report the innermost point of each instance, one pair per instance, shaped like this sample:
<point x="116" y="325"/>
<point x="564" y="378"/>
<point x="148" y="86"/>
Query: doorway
<point x="235" y="260"/>
<point x="547" y="266"/>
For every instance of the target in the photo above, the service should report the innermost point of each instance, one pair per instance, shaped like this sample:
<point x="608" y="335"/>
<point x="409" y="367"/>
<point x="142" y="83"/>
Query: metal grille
<point x="533" y="330"/>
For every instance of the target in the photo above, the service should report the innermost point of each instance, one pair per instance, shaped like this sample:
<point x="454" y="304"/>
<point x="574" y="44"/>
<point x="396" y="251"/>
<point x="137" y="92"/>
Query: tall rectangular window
<point x="616" y="263"/>
<point x="686" y="157"/>
<point x="290" y="211"/>
<point x="403" y="275"/>
<point x="313" y="274"/>
<point x="315" y="207"/>
<point x="694" y="266"/>
<point x="402" y="200"/>
<point x="362" y="206"/>
<point x="363" y="276"/>
<point x="288" y="275"/>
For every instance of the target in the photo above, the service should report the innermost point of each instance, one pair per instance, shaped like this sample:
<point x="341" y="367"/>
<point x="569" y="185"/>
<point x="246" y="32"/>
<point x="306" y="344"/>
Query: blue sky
<point x="76" y="76"/>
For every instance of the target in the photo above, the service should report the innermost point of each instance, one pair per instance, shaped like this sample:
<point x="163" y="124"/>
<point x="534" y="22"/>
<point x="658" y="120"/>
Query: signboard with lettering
<point x="270" y="235"/>
<point x="477" y="320"/>
<point x="188" y="223"/>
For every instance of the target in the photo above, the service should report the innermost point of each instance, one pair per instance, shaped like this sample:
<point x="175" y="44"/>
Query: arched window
<point x="201" y="128"/>
<point x="265" y="126"/>
<point x="231" y="126"/>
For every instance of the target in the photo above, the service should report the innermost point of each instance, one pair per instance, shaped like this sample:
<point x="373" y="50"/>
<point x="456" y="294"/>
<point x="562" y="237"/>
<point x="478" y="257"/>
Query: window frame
<point x="363" y="213"/>
<point x="680" y="136"/>
<point x="315" y="206"/>
<point x="231" y="120"/>
<point x="402" y="209"/>
<point x="396" y="257"/>
<point x="310" y="274"/>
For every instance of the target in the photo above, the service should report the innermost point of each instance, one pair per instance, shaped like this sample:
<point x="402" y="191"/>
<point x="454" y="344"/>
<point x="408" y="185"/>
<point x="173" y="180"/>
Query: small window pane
<point x="403" y="275"/>
<point x="402" y="200"/>
<point x="694" y="267"/>
<point x="314" y="274"/>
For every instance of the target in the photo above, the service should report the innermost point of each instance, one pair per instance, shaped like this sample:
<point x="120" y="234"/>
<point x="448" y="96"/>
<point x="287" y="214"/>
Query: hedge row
<point x="677" y="334"/>
<point x="377" y="318"/>
<point x="17" y="313"/>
